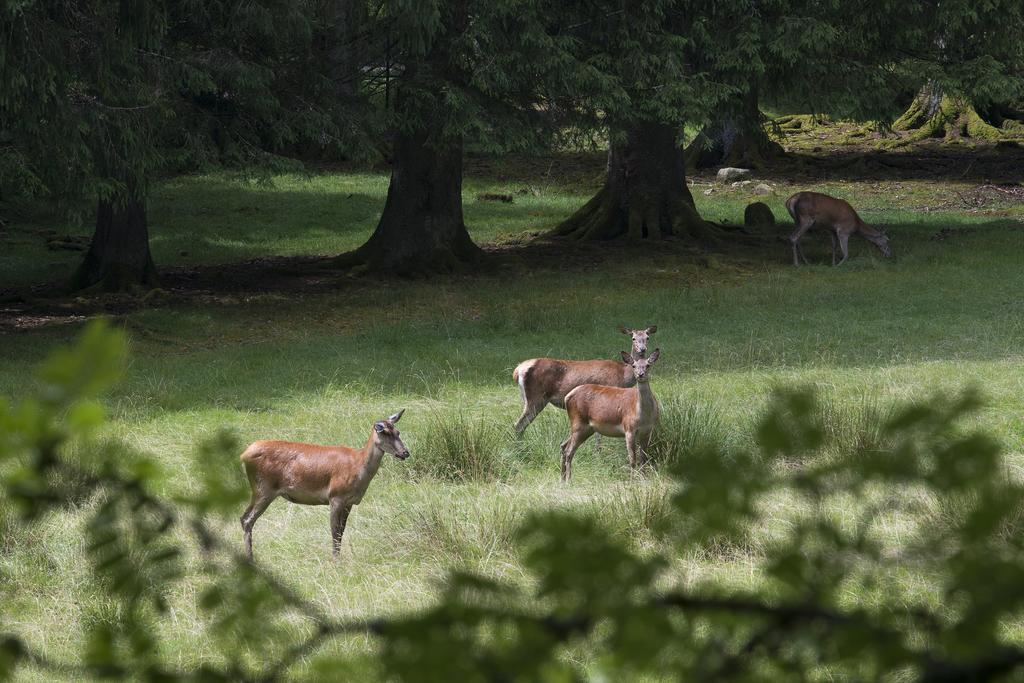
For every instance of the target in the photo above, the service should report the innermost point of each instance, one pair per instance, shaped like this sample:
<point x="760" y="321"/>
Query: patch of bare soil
<point x="225" y="284"/>
<point x="988" y="163"/>
<point x="997" y="163"/>
<point x="985" y="197"/>
<point x="949" y="233"/>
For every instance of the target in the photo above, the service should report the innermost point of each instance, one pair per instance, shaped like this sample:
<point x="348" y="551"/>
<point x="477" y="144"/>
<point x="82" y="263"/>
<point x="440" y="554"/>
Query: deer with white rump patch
<point x="813" y="209"/>
<point x="309" y="474"/>
<point x="547" y="380"/>
<point x="613" y="411"/>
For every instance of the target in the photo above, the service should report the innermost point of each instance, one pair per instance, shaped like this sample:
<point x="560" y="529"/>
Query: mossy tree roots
<point x="421" y="229"/>
<point x="644" y="195"/>
<point x="937" y="114"/>
<point x="118" y="258"/>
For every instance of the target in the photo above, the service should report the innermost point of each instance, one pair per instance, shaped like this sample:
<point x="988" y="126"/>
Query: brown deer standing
<point x="813" y="209"/>
<point x="547" y="380"/>
<point x="613" y="411"/>
<point x="309" y="474"/>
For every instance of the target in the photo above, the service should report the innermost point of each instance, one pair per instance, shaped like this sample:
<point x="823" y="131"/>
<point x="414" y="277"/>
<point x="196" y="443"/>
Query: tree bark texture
<point x="118" y="258"/>
<point x="644" y="195"/>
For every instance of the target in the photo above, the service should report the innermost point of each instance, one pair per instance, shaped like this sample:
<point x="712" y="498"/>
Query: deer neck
<point x="628" y="378"/>
<point x="644" y="399"/>
<point x="370" y="456"/>
<point x="867" y="231"/>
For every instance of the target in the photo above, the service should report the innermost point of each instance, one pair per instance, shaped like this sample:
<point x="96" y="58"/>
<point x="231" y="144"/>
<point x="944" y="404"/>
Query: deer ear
<point x="378" y="427"/>
<point x="625" y="330"/>
<point x="397" y="416"/>
<point x="654" y="356"/>
<point x="626" y="358"/>
<point x="652" y="329"/>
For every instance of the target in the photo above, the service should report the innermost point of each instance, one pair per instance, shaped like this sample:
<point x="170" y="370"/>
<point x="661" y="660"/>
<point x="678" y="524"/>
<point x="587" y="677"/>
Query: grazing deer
<point x="309" y="474"/>
<point x="813" y="209"/>
<point x="547" y="380"/>
<point x="613" y="411"/>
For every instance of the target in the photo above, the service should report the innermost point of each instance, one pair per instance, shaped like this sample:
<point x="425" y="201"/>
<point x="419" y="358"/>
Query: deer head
<point x="880" y="239"/>
<point x="641" y="365"/>
<point x="387" y="436"/>
<point x="639" y="339"/>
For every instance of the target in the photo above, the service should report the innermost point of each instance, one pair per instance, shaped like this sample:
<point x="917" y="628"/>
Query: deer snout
<point x="402" y="453"/>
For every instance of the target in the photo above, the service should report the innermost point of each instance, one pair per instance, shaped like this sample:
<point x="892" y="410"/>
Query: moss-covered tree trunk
<point x="935" y="113"/>
<point x="736" y="138"/>
<point x="1009" y="118"/>
<point x="421" y="228"/>
<point x="644" y="195"/>
<point x="118" y="258"/>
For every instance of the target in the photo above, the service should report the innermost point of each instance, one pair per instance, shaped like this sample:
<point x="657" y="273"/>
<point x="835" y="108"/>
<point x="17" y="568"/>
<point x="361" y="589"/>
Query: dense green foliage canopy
<point x="98" y="98"/>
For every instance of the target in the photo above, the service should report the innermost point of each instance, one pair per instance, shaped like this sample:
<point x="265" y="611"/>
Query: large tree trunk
<point x="421" y="229"/>
<point x="645" y="194"/>
<point x="347" y="18"/>
<point x="118" y="258"/>
<point x="736" y="138"/>
<point x="935" y="113"/>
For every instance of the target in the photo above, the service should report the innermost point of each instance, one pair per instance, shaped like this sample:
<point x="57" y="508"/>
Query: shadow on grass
<point x="930" y="161"/>
<point x="584" y="171"/>
<point x="293" y="331"/>
<point x="519" y="257"/>
<point x="230" y="222"/>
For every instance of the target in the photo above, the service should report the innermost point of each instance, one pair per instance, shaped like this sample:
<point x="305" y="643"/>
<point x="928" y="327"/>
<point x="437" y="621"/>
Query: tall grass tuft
<point x="854" y="426"/>
<point x="458" y="448"/>
<point x="441" y="531"/>
<point x="640" y="508"/>
<point x="683" y="427"/>
<point x="484" y="526"/>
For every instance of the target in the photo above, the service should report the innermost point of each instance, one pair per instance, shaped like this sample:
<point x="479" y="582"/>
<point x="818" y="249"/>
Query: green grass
<point x="943" y="314"/>
<point x="214" y="219"/>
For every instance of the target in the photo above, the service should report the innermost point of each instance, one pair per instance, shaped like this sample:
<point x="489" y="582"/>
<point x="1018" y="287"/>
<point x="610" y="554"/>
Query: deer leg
<point x="530" y="411"/>
<point x="833" y="236"/>
<point x="569" y="447"/>
<point x="339" y="518"/>
<point x="794" y="239"/>
<point x="257" y="506"/>
<point x="844" y="246"/>
<point x="563" y="447"/>
<point x="631" y="448"/>
<point x="644" y="446"/>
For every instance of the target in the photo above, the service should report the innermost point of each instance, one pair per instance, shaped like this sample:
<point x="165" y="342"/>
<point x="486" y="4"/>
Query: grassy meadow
<point x="321" y="367"/>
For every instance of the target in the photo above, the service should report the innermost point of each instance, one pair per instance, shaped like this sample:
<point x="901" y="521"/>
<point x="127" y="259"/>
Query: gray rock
<point x="729" y="173"/>
<point x="763" y="188"/>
